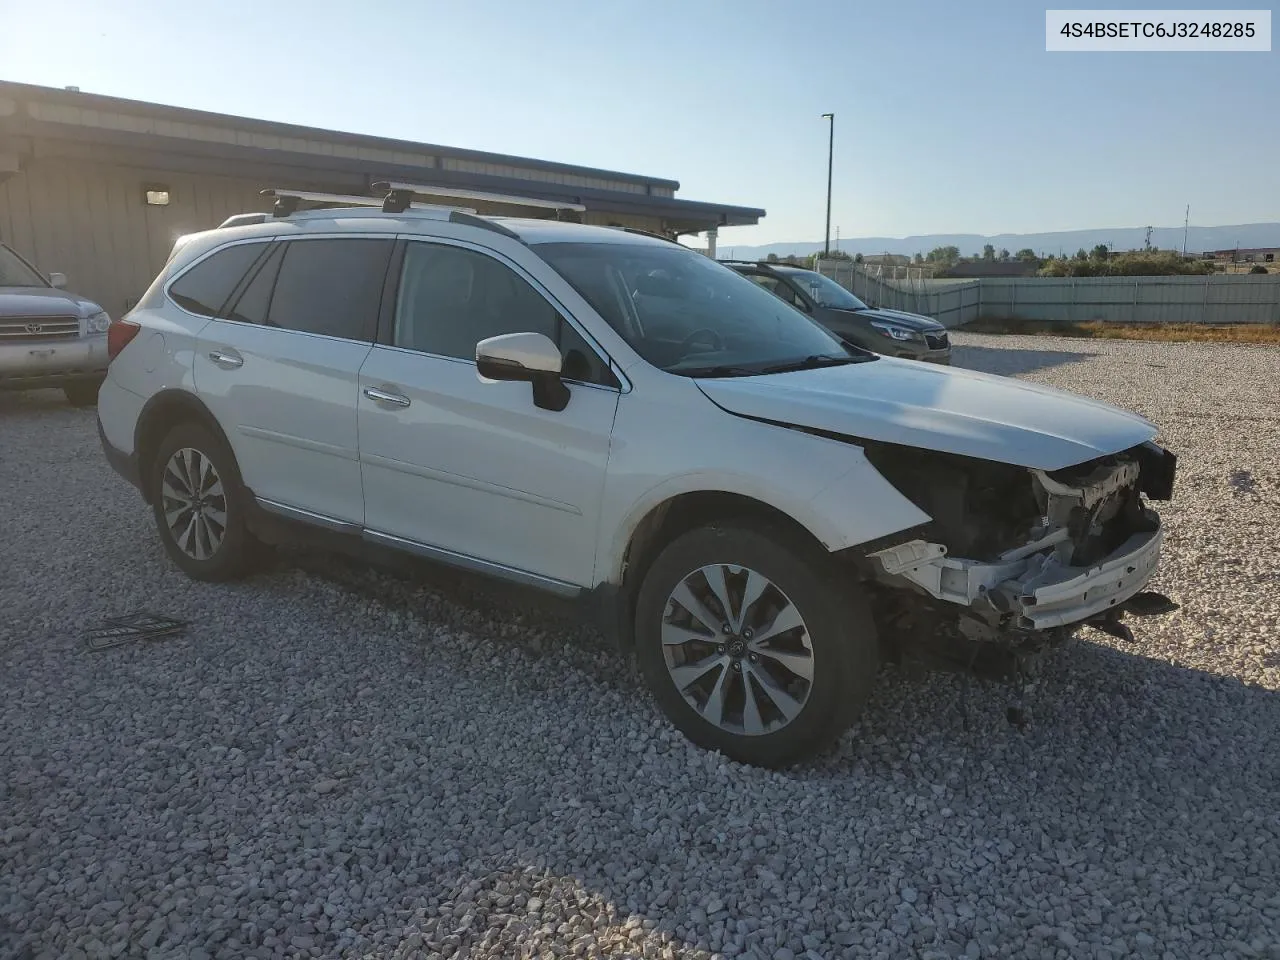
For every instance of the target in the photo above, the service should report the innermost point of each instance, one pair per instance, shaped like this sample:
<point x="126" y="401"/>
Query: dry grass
<point x="1097" y="329"/>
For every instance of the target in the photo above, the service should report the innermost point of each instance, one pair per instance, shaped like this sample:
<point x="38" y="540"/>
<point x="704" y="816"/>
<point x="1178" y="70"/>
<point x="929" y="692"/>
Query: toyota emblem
<point x="34" y="328"/>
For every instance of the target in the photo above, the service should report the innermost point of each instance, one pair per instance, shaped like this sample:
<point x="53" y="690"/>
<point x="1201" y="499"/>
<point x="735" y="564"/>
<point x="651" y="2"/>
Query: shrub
<point x="1139" y="264"/>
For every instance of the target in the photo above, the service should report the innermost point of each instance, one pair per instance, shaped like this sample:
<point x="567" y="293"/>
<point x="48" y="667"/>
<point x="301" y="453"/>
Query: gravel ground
<point x="337" y="763"/>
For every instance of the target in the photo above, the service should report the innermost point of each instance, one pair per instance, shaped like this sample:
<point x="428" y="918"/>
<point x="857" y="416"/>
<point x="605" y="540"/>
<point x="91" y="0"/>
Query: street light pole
<point x="831" y="142"/>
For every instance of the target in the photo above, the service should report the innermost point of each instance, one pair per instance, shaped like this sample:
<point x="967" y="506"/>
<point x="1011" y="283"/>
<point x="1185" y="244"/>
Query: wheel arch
<point x="656" y="524"/>
<point x="159" y="415"/>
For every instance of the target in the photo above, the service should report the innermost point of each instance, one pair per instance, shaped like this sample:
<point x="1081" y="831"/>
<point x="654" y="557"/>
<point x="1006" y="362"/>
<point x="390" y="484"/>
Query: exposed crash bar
<point x="1041" y="591"/>
<point x="1059" y="594"/>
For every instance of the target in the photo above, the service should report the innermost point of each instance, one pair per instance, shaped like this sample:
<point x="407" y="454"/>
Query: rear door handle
<point x="383" y="396"/>
<point x="227" y="361"/>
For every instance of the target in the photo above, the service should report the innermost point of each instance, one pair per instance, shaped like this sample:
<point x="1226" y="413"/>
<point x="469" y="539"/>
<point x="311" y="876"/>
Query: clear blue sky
<point x="950" y="115"/>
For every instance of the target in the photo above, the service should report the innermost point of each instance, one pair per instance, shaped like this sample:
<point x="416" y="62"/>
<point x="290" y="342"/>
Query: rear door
<point x="278" y="367"/>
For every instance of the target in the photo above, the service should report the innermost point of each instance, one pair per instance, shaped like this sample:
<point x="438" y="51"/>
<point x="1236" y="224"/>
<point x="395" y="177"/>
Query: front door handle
<point x="227" y="361"/>
<point x="383" y="396"/>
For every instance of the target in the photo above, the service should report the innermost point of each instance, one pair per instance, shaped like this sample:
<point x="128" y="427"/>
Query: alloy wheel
<point x="737" y="649"/>
<point x="194" y="503"/>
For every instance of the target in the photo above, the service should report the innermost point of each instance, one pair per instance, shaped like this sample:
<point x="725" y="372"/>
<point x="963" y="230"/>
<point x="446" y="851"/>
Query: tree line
<point x="1101" y="261"/>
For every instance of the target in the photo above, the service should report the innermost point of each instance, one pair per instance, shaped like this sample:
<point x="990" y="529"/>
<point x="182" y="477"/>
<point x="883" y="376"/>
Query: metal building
<point x="99" y="187"/>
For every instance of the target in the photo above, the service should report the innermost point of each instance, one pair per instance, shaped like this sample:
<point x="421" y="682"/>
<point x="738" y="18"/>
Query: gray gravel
<point x="337" y="763"/>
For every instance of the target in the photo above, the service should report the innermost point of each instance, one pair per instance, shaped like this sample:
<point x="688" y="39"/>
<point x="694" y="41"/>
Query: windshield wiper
<point x="721" y="370"/>
<point x="812" y="362"/>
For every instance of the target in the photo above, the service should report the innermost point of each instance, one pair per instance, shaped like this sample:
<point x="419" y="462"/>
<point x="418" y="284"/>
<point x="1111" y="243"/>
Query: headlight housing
<point x="895" y="332"/>
<point x="97" y="323"/>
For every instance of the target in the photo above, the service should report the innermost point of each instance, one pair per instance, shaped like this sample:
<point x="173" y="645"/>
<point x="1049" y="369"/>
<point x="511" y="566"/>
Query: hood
<point x="941" y="408"/>
<point x="44" y="302"/>
<point x="913" y="321"/>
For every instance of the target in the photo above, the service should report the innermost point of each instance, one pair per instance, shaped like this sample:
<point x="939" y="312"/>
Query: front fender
<point x="827" y="486"/>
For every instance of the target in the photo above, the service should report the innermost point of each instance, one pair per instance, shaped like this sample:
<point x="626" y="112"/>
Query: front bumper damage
<point x="1085" y="559"/>
<point x="1031" y="593"/>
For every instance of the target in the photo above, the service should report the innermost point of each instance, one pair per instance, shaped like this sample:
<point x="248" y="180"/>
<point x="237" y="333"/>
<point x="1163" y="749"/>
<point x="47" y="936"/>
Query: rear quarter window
<point x="206" y="287"/>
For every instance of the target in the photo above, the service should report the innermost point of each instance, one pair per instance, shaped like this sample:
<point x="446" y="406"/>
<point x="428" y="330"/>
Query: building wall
<point x="90" y="221"/>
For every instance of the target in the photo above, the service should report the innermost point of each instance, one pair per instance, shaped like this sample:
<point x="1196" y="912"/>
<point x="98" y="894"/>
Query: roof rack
<point x="398" y="193"/>
<point x="287" y="201"/>
<point x="397" y="200"/>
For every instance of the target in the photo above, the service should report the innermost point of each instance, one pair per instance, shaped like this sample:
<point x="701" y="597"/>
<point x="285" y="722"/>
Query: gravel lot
<point x="335" y="763"/>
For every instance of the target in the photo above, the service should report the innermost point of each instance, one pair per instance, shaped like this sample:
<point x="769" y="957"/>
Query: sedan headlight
<point x="97" y="323"/>
<point x="896" y="332"/>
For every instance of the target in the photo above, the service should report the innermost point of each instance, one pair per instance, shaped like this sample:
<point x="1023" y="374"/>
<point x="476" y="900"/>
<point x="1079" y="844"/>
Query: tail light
<point x="118" y="336"/>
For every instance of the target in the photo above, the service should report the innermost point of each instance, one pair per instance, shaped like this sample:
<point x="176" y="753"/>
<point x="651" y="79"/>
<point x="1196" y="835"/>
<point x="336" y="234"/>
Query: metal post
<point x="831" y="143"/>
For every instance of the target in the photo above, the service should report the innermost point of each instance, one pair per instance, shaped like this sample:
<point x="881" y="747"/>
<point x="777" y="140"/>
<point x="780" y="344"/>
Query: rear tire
<point x="200" y="504"/>
<point x="797" y="663"/>
<point x="82" y="393"/>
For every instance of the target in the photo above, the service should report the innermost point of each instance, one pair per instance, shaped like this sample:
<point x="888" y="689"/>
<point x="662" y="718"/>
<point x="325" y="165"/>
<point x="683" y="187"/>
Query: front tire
<point x="199" y="505"/>
<point x="751" y="645"/>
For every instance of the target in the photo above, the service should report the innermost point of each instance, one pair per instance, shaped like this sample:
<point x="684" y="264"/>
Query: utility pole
<point x="831" y="144"/>
<point x="1185" y="224"/>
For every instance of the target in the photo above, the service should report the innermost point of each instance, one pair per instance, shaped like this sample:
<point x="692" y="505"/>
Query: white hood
<point x="940" y="408"/>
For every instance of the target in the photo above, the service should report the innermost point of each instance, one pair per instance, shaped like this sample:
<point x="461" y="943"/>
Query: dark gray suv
<point x="890" y="332"/>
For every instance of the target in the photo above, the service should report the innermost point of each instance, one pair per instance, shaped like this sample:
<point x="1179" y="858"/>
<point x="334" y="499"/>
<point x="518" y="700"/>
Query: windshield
<point x="16" y="272"/>
<point x="826" y="292"/>
<point x="689" y="315"/>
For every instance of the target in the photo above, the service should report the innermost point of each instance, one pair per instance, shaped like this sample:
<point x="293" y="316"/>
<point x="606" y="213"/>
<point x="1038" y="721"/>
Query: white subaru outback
<point x="760" y="511"/>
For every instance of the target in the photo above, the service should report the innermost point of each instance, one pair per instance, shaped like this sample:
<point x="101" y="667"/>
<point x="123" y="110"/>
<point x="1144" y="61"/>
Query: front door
<point x="473" y="468"/>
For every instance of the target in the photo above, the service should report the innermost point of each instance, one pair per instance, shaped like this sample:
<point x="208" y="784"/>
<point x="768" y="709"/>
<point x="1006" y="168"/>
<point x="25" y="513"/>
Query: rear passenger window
<point x="204" y="288"/>
<point x="329" y="287"/>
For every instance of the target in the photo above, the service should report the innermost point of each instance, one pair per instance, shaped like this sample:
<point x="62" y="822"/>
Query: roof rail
<point x="754" y="263"/>
<point x="241" y="219"/>
<point x="649" y="233"/>
<point x="402" y="192"/>
<point x="471" y="220"/>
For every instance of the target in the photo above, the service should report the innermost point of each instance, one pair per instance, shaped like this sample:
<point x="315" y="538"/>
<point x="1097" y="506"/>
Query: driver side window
<point x="450" y="298"/>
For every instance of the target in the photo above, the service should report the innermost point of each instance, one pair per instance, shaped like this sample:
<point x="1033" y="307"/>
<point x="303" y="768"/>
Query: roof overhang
<point x="344" y="170"/>
<point x="165" y="114"/>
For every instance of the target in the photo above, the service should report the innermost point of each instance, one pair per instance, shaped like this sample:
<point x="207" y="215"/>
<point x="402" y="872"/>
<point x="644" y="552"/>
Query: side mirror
<point x="530" y="357"/>
<point x="58" y="280"/>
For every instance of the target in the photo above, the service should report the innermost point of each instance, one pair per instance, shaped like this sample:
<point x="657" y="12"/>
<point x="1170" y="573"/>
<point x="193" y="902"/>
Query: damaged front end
<point x="1014" y="556"/>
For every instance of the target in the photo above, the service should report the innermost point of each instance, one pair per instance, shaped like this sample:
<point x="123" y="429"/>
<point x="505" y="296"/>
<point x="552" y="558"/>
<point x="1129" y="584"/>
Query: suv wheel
<point x="82" y="393"/>
<point x="199" y="504"/>
<point x="750" y="645"/>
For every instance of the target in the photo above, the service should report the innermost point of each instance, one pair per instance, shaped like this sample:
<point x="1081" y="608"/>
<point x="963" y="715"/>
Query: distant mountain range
<point x="1065" y="242"/>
